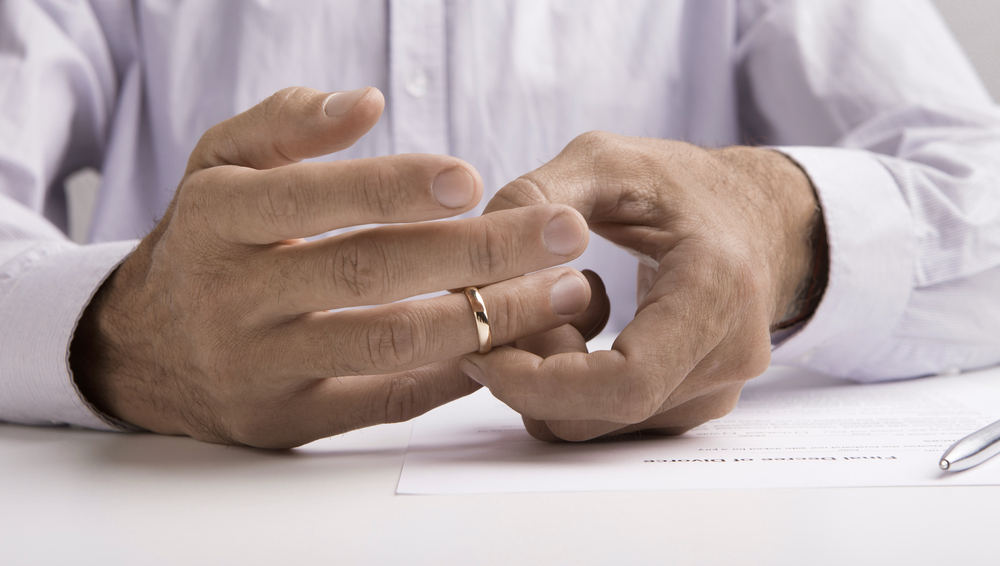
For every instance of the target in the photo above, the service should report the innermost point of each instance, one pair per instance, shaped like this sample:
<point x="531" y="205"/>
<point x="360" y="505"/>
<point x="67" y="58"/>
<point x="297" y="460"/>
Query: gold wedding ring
<point x="482" y="320"/>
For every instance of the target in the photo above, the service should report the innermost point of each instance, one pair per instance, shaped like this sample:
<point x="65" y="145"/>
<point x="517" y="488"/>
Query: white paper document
<point x="790" y="429"/>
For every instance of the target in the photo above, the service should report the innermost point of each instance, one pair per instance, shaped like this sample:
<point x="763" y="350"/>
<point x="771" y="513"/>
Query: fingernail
<point x="472" y="372"/>
<point x="569" y="295"/>
<point x="562" y="235"/>
<point x="338" y="103"/>
<point x="453" y="188"/>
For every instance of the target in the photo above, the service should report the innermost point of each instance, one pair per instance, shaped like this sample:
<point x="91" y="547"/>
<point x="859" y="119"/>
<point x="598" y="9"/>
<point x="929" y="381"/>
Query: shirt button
<point x="417" y="85"/>
<point x="807" y="356"/>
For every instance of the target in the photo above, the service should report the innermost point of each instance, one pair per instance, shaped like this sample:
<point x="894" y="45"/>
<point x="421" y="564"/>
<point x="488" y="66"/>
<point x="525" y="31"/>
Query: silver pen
<point x="973" y="449"/>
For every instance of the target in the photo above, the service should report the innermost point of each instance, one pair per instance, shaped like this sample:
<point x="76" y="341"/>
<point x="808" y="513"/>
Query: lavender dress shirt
<point x="875" y="100"/>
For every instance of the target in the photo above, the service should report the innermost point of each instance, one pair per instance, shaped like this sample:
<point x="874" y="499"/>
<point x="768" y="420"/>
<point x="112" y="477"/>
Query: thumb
<point x="585" y="175"/>
<point x="291" y="125"/>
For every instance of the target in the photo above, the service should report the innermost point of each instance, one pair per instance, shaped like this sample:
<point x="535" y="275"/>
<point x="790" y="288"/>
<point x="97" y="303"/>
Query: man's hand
<point x="215" y="326"/>
<point x="725" y="243"/>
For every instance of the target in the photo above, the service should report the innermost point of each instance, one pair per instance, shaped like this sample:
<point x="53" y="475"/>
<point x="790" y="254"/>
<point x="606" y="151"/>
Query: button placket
<point x="418" y="76"/>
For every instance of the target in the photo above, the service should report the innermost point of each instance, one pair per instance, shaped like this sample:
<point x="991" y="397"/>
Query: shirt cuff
<point x="40" y="310"/>
<point x="872" y="253"/>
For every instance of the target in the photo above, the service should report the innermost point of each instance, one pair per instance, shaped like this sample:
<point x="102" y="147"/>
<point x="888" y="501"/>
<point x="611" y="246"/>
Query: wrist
<point x="790" y="227"/>
<point x="807" y="265"/>
<point x="810" y="289"/>
<point x="91" y="356"/>
<point x="105" y="355"/>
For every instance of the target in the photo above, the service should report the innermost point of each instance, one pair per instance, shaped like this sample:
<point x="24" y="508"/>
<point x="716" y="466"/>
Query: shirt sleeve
<point x="880" y="107"/>
<point x="57" y="94"/>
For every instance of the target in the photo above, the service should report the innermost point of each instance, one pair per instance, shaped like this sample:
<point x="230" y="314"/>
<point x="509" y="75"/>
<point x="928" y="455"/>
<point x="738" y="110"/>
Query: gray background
<point x="974" y="22"/>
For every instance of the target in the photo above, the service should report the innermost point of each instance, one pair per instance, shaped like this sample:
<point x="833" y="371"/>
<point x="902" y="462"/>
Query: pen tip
<point x="944" y="464"/>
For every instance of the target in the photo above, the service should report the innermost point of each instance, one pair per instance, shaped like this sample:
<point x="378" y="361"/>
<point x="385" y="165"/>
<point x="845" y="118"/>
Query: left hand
<point x="725" y="243"/>
<point x="226" y="325"/>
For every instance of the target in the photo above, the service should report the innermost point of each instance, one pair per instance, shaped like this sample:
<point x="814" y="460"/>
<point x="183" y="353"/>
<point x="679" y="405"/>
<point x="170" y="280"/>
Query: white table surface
<point x="78" y="497"/>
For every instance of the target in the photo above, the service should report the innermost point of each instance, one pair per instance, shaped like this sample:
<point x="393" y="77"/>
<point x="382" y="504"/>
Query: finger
<point x="678" y="420"/>
<point x="389" y="263"/>
<point x="731" y="363"/>
<point x="595" y="318"/>
<point x="621" y="385"/>
<point x="538" y="429"/>
<point x="624" y="195"/>
<point x="415" y="333"/>
<point x="328" y="407"/>
<point x="574" y="337"/>
<point x="556" y="341"/>
<point x="559" y="340"/>
<point x="626" y="385"/>
<point x="575" y="431"/>
<point x="595" y="189"/>
<point x="291" y="125"/>
<point x="685" y="412"/>
<point x="566" y="386"/>
<point x="683" y="320"/>
<point x="302" y="200"/>
<point x="692" y="413"/>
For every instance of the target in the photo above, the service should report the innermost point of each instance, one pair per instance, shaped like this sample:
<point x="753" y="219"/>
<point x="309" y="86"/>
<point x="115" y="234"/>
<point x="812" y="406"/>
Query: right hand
<point x="727" y="239"/>
<point x="215" y="326"/>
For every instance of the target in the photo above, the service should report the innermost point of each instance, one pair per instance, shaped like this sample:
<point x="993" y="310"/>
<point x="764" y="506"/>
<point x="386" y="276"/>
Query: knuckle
<point x="612" y="155"/>
<point x="213" y="147"/>
<point x="590" y="140"/>
<point x="277" y="204"/>
<point x="399" y="393"/>
<point x="523" y="191"/>
<point x="600" y="148"/>
<point x="358" y="270"/>
<point x="637" y="399"/>
<point x="490" y="253"/>
<point x="391" y="343"/>
<point x="274" y="106"/>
